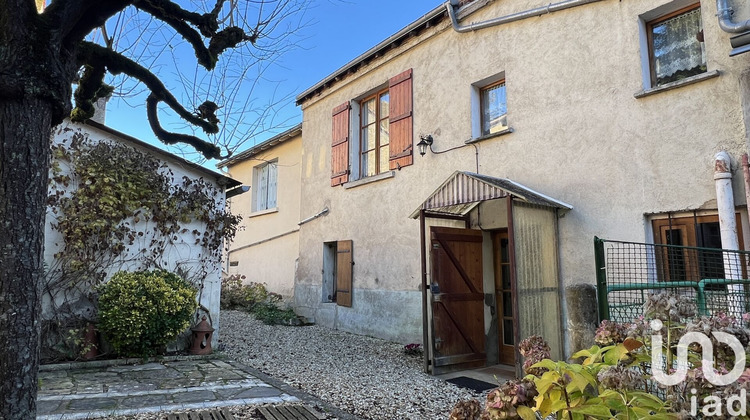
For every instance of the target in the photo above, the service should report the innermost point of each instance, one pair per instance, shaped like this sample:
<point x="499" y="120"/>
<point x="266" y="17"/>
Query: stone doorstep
<point x="246" y="384"/>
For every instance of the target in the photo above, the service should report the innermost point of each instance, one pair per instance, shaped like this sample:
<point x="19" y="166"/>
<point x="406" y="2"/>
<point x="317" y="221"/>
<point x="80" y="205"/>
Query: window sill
<point x="262" y="212"/>
<point x="369" y="179"/>
<point x="678" y="83"/>
<point x="490" y="136"/>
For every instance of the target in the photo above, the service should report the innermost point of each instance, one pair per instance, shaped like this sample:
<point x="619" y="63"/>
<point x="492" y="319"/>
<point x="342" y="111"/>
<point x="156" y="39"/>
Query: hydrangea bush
<point x="613" y="378"/>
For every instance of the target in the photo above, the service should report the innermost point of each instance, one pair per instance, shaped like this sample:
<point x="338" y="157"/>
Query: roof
<point x="221" y="179"/>
<point x="430" y="19"/>
<point x="265" y="145"/>
<point x="463" y="191"/>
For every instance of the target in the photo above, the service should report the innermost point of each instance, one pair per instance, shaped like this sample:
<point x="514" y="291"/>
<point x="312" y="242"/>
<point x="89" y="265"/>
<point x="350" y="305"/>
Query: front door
<point x="504" y="298"/>
<point x="458" y="337"/>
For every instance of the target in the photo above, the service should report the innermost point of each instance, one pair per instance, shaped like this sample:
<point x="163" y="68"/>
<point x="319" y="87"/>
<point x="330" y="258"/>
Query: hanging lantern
<point x="202" y="335"/>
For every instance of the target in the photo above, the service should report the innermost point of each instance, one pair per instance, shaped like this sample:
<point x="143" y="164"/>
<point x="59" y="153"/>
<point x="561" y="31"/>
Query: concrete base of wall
<point x="390" y="315"/>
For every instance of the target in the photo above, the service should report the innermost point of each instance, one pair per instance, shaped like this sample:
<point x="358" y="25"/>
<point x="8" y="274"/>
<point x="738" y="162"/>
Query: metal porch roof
<point x="463" y="191"/>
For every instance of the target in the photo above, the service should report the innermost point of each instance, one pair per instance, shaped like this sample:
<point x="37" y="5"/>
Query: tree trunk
<point x="25" y="129"/>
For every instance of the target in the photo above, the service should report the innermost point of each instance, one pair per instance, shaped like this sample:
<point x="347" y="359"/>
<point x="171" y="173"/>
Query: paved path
<point x="85" y="390"/>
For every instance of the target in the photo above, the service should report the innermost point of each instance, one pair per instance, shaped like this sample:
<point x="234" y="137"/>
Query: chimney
<point x="100" y="110"/>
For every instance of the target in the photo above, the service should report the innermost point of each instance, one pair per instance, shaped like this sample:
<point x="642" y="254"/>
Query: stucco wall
<point x="181" y="254"/>
<point x="580" y="136"/>
<point x="266" y="247"/>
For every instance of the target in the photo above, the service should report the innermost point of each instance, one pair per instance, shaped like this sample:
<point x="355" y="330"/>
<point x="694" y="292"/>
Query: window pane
<point x="368" y="138"/>
<point x="272" y="176"/>
<point x="368" y="163"/>
<point x="507" y="304"/>
<point x="368" y="112"/>
<point x="494" y="110"/>
<point x="383" y="159"/>
<point x="384" y="105"/>
<point x="384" y="133"/>
<point x="677" y="51"/>
<point x="508" y="332"/>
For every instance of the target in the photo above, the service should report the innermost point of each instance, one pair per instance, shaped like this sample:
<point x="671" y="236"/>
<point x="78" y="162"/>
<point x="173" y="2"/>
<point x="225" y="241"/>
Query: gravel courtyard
<point x="368" y="377"/>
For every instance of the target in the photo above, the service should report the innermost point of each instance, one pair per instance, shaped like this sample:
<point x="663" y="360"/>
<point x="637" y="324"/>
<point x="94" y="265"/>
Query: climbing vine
<point x="117" y="208"/>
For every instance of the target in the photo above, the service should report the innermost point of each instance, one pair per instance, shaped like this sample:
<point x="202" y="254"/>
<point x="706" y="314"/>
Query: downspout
<point x="542" y="10"/>
<point x="724" y="13"/>
<point x="728" y="227"/>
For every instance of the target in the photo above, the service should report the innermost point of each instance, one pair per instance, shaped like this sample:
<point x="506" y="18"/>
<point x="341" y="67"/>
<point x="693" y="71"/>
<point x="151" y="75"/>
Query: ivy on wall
<point x="115" y="208"/>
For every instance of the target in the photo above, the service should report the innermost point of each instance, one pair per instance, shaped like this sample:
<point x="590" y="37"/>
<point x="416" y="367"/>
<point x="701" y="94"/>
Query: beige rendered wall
<point x="266" y="247"/>
<point x="580" y="136"/>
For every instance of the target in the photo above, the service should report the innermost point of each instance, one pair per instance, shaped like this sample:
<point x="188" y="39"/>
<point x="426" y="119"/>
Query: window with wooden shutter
<point x="344" y="263"/>
<point x="340" y="145"/>
<point x="401" y="130"/>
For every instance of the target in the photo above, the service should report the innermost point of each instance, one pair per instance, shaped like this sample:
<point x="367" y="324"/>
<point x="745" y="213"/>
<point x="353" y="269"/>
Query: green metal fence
<point x="627" y="272"/>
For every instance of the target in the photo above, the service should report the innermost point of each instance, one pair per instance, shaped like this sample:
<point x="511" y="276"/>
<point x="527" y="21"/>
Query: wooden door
<point x="457" y="299"/>
<point x="504" y="298"/>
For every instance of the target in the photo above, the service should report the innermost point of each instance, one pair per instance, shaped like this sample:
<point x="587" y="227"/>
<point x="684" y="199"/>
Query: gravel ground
<point x="365" y="376"/>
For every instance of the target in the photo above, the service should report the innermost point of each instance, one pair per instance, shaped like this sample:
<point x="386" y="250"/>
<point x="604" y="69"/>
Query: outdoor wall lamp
<point x="425" y="141"/>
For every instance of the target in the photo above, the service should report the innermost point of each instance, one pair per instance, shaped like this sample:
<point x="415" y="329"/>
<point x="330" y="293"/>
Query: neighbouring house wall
<point x="182" y="255"/>
<point x="579" y="135"/>
<point x="265" y="249"/>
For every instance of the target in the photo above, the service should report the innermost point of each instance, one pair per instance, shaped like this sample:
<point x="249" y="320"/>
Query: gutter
<point x="542" y="10"/>
<point x="724" y="12"/>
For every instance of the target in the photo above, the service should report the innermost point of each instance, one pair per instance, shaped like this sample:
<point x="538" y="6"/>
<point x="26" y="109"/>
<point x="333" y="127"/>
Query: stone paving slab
<point x="83" y="391"/>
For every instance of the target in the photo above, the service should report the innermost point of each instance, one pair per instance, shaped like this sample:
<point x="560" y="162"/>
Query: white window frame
<point x="265" y="186"/>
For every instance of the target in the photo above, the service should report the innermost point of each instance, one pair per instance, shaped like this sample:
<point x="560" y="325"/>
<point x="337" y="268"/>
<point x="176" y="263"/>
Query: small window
<point x="494" y="108"/>
<point x="374" y="134"/>
<point x="264" y="184"/>
<point x="337" y="272"/>
<point x="675" y="44"/>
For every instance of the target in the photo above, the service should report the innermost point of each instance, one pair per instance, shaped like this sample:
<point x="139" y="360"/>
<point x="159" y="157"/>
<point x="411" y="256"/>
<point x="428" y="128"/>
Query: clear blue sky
<point x="338" y="31"/>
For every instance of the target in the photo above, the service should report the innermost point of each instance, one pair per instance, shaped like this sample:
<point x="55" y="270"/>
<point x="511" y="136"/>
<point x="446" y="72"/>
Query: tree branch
<point x="76" y="19"/>
<point x="97" y="56"/>
<point x="207" y="149"/>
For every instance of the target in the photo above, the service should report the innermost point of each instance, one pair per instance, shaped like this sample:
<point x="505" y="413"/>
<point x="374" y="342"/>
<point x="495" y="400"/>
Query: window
<point x="374" y="134"/>
<point x="337" y="272"/>
<point x="675" y="46"/>
<point x="690" y="264"/>
<point x="381" y="132"/>
<point x="264" y="184"/>
<point x="494" y="109"/>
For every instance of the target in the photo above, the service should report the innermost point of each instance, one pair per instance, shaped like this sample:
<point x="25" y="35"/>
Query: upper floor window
<point x="676" y="48"/>
<point x="264" y="184"/>
<point x="494" y="109"/>
<point x="374" y="134"/>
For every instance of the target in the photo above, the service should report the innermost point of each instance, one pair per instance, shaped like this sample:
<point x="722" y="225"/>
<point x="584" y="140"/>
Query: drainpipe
<point x="724" y="13"/>
<point x="542" y="10"/>
<point x="728" y="227"/>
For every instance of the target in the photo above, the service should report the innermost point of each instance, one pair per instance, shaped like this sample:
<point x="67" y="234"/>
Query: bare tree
<point x="43" y="53"/>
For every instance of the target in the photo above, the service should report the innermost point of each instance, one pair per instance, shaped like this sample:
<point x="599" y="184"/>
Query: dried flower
<point x="502" y="401"/>
<point x="534" y="349"/>
<point x="669" y="307"/>
<point x="610" y="333"/>
<point x="621" y="377"/>
<point x="466" y="410"/>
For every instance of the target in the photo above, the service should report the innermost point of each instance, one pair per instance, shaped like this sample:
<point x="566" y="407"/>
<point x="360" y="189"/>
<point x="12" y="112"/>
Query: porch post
<point x="513" y="287"/>
<point x="423" y="243"/>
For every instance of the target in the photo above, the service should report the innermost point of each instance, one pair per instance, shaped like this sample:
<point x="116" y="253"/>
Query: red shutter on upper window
<point x="340" y="145"/>
<point x="401" y="130"/>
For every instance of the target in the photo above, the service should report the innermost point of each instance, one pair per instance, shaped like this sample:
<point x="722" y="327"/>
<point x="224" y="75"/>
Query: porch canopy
<point x="463" y="191"/>
<point x="531" y="227"/>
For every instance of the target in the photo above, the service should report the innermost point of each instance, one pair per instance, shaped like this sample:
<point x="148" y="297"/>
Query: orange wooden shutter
<point x="344" y="264"/>
<point x="340" y="145"/>
<point x="401" y="130"/>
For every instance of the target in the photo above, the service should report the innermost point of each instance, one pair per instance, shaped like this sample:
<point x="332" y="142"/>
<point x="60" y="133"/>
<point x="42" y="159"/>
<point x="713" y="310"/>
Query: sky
<point x="337" y="31"/>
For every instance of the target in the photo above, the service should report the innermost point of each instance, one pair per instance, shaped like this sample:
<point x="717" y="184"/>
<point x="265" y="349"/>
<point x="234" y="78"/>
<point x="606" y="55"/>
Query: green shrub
<point x="235" y="295"/>
<point x="140" y="312"/>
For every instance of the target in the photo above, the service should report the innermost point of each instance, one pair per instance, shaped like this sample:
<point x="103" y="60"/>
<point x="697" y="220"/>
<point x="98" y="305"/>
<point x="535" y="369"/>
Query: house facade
<point x="542" y="127"/>
<point x="266" y="249"/>
<point x="68" y="291"/>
